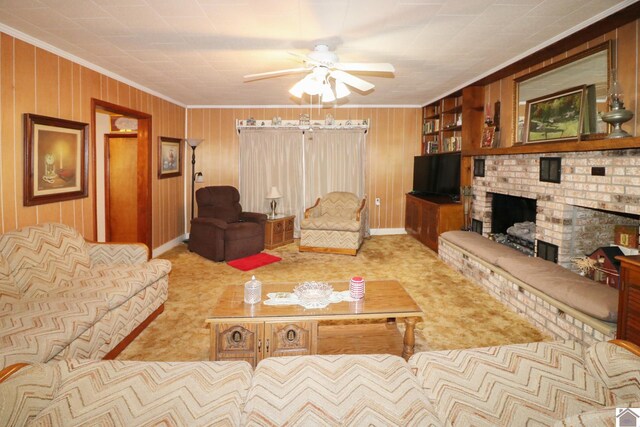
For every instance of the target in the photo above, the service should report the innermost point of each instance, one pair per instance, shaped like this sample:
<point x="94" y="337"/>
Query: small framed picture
<point x="169" y="157"/>
<point x="488" y="133"/>
<point x="56" y="155"/>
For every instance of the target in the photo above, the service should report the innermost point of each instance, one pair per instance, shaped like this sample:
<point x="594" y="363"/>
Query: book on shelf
<point x="432" y="147"/>
<point x="431" y="126"/>
<point x="453" y="143"/>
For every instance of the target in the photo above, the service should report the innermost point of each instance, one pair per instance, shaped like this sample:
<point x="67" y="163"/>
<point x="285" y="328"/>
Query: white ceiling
<point x="196" y="51"/>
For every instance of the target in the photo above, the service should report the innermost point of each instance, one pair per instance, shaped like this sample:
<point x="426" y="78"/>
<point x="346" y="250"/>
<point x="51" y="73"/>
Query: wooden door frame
<point x="145" y="200"/>
<point x="107" y="181"/>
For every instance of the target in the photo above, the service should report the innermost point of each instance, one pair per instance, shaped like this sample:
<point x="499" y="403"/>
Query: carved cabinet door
<point x="290" y="339"/>
<point x="242" y="341"/>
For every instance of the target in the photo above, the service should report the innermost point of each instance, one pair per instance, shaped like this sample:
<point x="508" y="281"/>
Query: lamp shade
<point x="194" y="142"/>
<point x="274" y="193"/>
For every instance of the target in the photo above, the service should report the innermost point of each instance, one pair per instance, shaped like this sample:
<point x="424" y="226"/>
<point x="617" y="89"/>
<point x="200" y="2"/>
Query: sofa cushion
<point x="9" y="291"/>
<point x="591" y="298"/>
<point x="536" y="383"/>
<point x="617" y="368"/>
<point x="485" y="249"/>
<point x="115" y="284"/>
<point x="340" y="204"/>
<point x="148" y="393"/>
<point x="42" y="257"/>
<point x="37" y="330"/>
<point x="328" y="222"/>
<point x="27" y="392"/>
<point x="336" y="391"/>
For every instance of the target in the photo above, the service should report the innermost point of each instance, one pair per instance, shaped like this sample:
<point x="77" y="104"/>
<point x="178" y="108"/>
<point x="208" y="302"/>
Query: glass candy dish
<point x="313" y="294"/>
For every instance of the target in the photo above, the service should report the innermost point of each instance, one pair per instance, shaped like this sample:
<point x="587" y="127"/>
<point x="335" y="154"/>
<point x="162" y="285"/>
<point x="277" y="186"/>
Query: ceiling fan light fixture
<point x="327" y="93"/>
<point x="341" y="90"/>
<point x="297" y="89"/>
<point x="311" y="85"/>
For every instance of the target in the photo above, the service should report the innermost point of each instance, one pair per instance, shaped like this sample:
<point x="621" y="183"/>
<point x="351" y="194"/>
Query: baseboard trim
<point x="169" y="245"/>
<point x="387" y="231"/>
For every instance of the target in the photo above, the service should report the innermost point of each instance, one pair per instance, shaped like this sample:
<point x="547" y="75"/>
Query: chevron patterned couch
<point x="62" y="297"/>
<point x="542" y="384"/>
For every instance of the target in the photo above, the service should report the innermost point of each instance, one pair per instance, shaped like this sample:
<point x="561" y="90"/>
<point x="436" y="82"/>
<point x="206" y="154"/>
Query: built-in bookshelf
<point x="442" y="125"/>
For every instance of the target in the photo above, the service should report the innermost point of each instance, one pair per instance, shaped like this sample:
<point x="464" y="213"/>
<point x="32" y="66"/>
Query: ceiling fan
<point x="322" y="65"/>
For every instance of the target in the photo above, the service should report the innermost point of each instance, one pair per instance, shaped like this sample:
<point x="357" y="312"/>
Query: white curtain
<point x="271" y="158"/>
<point x="334" y="161"/>
<point x="303" y="166"/>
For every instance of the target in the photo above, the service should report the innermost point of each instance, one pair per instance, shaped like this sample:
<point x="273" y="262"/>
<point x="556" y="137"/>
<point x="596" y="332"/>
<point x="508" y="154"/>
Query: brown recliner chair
<point x="222" y="231"/>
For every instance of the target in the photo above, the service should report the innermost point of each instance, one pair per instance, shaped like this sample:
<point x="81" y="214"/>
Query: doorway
<point x="121" y="187"/>
<point x="123" y="203"/>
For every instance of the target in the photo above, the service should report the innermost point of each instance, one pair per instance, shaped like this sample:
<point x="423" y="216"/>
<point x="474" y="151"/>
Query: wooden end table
<point x="249" y="332"/>
<point x="278" y="230"/>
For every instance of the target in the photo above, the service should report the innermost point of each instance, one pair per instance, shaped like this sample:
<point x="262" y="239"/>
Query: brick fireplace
<point x="576" y="214"/>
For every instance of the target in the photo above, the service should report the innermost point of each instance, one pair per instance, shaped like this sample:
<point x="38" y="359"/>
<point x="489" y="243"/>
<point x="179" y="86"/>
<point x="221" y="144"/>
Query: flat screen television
<point x="437" y="175"/>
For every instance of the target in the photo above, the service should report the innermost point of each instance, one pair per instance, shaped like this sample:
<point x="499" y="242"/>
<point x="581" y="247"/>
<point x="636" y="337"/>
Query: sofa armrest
<point x="359" y="211"/>
<point x="259" y="218"/>
<point x="312" y="212"/>
<point x="10" y="370"/>
<point x="212" y="222"/>
<point x="631" y="347"/>
<point x="118" y="253"/>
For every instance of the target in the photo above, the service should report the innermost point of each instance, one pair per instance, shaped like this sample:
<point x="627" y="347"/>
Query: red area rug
<point x="253" y="261"/>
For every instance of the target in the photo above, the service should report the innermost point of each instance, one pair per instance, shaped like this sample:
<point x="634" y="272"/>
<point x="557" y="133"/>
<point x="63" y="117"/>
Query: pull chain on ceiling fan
<point x="323" y="65"/>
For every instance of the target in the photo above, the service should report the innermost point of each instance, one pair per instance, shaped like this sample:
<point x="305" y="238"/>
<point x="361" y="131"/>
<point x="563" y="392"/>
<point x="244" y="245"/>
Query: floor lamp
<point x="195" y="177"/>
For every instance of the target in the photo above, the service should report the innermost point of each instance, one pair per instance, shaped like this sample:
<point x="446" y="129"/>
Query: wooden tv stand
<point x="427" y="217"/>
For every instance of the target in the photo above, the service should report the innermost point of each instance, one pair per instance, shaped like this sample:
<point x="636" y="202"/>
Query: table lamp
<point x="273" y="195"/>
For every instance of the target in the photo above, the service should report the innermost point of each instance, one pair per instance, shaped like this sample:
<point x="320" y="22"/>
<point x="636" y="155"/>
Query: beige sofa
<point x="337" y="223"/>
<point x="62" y="297"/>
<point x="542" y="384"/>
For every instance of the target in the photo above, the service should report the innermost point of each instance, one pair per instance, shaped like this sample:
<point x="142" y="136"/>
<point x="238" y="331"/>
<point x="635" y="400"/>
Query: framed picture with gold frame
<point x="56" y="157"/>
<point x="169" y="157"/>
<point x="555" y="117"/>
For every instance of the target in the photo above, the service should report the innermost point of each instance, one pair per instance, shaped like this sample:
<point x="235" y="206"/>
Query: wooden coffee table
<point x="248" y="332"/>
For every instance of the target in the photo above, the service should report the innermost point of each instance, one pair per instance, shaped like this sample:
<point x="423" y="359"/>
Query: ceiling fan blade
<point x="275" y="73"/>
<point x="380" y="67"/>
<point x="352" y="81"/>
<point x="304" y="58"/>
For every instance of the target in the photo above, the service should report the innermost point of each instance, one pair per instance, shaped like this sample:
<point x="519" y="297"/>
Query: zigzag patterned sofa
<point x="62" y="297"/>
<point x="542" y="384"/>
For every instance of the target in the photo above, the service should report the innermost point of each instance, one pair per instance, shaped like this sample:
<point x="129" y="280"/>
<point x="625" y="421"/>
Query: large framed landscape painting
<point x="56" y="155"/>
<point x="555" y="117"/>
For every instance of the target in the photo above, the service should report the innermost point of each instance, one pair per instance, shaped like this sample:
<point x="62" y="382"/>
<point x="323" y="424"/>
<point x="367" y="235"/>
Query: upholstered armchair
<point x="222" y="231"/>
<point x="335" y="224"/>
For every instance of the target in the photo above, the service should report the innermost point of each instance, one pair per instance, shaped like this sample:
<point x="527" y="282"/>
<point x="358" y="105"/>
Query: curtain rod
<point x="303" y="124"/>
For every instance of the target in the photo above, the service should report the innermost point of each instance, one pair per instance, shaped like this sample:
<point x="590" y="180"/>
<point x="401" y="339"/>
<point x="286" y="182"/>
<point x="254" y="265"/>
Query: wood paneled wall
<point x="33" y="80"/>
<point x="392" y="141"/>
<point x="625" y="58"/>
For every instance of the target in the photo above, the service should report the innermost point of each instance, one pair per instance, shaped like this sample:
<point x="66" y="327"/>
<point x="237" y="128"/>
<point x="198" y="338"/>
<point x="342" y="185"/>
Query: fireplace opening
<point x="513" y="222"/>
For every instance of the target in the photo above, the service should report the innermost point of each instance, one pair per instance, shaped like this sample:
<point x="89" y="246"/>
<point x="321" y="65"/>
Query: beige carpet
<point x="458" y="313"/>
